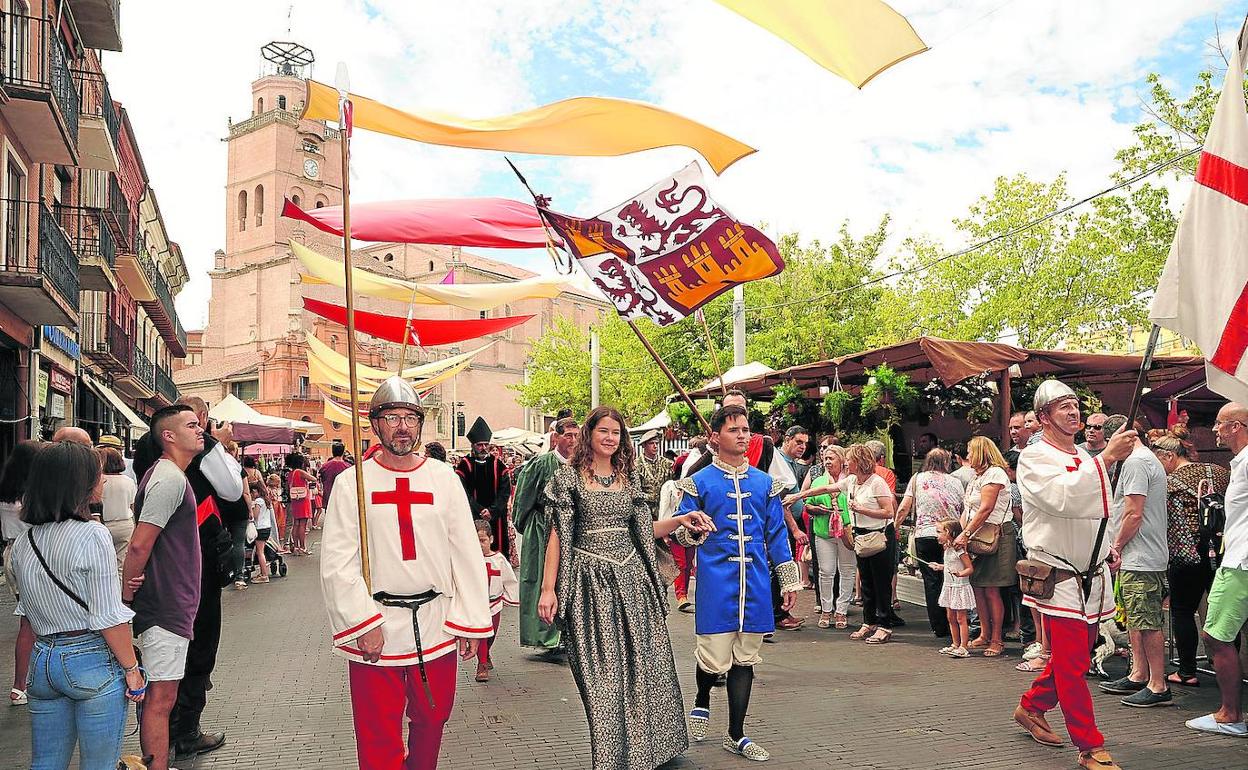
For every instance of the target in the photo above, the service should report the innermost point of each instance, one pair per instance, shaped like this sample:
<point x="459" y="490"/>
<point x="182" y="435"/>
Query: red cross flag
<point x="1203" y="293"/>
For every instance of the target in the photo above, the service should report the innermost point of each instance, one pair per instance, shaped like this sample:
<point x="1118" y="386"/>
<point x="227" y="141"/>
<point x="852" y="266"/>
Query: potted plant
<point x="888" y="392"/>
<point x="835" y="407"/>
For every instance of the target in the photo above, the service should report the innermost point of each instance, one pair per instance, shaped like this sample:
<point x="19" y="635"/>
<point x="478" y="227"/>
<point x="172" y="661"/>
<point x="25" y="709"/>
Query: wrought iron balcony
<point x="161" y="310"/>
<point x="117" y="215"/>
<point x="99" y="122"/>
<point x="165" y="388"/>
<point x="93" y="243"/>
<point x="105" y="342"/>
<point x="144" y="371"/>
<point x="38" y="267"/>
<point x="42" y="101"/>
<point x="99" y="23"/>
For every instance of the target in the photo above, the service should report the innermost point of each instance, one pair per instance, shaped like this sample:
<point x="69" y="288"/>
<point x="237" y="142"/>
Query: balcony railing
<point x="179" y="331"/>
<point x="50" y="255"/>
<point x="95" y="98"/>
<point x="143" y="369"/>
<point x="103" y="338"/>
<point x="32" y="56"/>
<point x="165" y="386"/>
<point x="88" y="233"/>
<point x="118" y="213"/>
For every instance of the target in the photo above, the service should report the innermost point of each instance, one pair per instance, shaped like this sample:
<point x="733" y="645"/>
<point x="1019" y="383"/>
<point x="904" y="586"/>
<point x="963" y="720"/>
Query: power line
<point x="988" y="242"/>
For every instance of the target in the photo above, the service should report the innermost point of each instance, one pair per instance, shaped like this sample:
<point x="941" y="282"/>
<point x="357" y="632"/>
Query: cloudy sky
<point x="1008" y="87"/>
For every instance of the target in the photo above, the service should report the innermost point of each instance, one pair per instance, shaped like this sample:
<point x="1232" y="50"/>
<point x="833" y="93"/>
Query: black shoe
<point x="1124" y="686"/>
<point x="205" y="743"/>
<point x="1146" y="698"/>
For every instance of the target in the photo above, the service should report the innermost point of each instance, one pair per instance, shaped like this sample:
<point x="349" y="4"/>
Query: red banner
<point x="424" y="332"/>
<point x="485" y="222"/>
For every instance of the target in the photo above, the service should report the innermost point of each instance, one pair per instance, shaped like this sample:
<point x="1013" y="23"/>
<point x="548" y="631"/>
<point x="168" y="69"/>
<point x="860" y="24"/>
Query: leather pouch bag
<point x="868" y="544"/>
<point x="1036" y="579"/>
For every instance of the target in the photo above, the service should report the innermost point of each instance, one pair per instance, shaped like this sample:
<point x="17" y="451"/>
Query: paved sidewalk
<point x="820" y="701"/>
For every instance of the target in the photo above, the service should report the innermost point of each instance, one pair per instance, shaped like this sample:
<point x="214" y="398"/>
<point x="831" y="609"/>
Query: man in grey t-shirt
<point x="1138" y="533"/>
<point x="165" y="551"/>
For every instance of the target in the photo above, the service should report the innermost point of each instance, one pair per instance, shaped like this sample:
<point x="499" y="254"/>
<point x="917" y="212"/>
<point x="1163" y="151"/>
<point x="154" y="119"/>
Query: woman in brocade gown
<point x="603" y="587"/>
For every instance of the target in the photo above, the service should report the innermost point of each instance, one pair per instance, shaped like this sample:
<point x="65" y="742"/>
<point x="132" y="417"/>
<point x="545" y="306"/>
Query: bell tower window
<point x="260" y="105"/>
<point x="259" y="204"/>
<point x="242" y="210"/>
<point x="281" y="102"/>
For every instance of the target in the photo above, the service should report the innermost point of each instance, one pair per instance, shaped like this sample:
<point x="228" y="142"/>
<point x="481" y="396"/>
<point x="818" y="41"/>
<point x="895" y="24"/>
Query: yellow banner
<point x="584" y="126"/>
<point x="856" y="39"/>
<point x="338" y="385"/>
<point x="470" y="296"/>
<point x="336" y="363"/>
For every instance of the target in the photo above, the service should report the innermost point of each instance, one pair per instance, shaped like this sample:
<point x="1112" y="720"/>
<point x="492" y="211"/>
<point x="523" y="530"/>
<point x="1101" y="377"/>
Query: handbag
<point x="1210" y="517"/>
<point x="986" y="540"/>
<point x="298" y="493"/>
<point x="866" y="544"/>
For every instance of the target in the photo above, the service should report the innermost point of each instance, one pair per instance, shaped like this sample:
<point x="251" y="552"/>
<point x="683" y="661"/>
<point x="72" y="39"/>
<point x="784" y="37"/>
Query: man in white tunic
<point x="428" y="598"/>
<point x="1066" y="496"/>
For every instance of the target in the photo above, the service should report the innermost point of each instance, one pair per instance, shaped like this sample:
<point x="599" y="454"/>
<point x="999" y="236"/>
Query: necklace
<point x="605" y="481"/>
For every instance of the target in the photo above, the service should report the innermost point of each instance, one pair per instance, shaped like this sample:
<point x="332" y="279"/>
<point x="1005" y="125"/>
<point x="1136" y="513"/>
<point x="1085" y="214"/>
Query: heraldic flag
<point x="668" y="251"/>
<point x="1203" y="293"/>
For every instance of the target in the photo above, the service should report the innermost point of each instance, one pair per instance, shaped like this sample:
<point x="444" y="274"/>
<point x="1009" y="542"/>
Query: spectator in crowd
<point x="217" y="480"/>
<point x="933" y="496"/>
<point x="12" y="489"/>
<point x="1228" y="598"/>
<point x="792" y="449"/>
<point x="1094" y="434"/>
<point x="1139" y="551"/>
<point x="962" y="470"/>
<point x="262" y="517"/>
<point x="113" y="442"/>
<point x="299" y="482"/>
<point x="872" y="508"/>
<point x="84" y="668"/>
<point x="118" y="501"/>
<point x="878" y="452"/>
<point x="834" y="564"/>
<point x="986" y="503"/>
<point x="165" y="550"/>
<point x="925" y="443"/>
<point x="1191" y="568"/>
<point x="73" y="434"/>
<point x="433" y="450"/>
<point x="274" y="485"/>
<point x="1020" y="433"/>
<point x="1033" y="426"/>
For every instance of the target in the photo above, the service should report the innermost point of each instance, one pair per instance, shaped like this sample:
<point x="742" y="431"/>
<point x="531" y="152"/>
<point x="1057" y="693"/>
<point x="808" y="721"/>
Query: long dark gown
<point x="613" y="612"/>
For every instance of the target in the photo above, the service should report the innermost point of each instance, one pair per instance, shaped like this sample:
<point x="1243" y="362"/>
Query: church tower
<point x="272" y="155"/>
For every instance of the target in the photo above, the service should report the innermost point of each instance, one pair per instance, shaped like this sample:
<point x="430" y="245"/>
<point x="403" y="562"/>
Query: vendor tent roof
<point x="520" y="439"/>
<point x="953" y="361"/>
<point x="232" y="409"/>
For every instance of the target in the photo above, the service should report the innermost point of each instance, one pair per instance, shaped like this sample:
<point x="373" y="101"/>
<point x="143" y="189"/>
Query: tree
<point x="1071" y="277"/>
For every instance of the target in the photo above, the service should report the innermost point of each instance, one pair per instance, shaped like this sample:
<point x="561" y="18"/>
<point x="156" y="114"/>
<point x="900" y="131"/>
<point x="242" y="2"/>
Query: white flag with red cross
<point x="1203" y="294"/>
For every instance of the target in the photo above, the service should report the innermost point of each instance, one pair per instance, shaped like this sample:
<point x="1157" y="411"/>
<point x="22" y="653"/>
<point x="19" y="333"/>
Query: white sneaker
<point x="1033" y="651"/>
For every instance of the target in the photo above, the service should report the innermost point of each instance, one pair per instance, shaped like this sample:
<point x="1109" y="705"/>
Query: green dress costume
<point x="528" y="512"/>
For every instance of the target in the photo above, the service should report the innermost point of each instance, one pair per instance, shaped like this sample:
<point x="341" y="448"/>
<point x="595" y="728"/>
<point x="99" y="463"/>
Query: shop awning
<point x="137" y="423"/>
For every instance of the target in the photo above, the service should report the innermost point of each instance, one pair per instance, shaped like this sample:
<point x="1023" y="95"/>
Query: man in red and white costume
<point x="1066" y="495"/>
<point x="422" y="546"/>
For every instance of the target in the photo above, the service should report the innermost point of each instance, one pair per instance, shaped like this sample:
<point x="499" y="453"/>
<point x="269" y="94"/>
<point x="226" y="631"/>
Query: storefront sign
<point x="41" y="389"/>
<point x="62" y="341"/>
<point x="57" y="409"/>
<point x="61" y="381"/>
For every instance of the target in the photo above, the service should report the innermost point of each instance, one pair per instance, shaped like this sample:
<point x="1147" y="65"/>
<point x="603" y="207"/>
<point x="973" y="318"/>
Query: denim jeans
<point x="77" y="696"/>
<point x="238" y="532"/>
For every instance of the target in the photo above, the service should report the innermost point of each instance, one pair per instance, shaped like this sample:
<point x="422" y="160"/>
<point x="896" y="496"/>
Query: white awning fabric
<point x="136" y="422"/>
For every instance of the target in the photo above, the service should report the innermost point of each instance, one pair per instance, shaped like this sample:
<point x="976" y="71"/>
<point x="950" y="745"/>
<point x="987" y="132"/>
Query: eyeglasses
<point x="1095" y="427"/>
<point x="408" y="420"/>
<point x="1220" y="423"/>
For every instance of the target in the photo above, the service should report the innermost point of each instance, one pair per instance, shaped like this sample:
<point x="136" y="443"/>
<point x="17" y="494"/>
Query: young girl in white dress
<point x="956" y="596"/>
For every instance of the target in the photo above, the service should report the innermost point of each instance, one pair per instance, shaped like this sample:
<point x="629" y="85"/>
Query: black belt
<point x="412" y="602"/>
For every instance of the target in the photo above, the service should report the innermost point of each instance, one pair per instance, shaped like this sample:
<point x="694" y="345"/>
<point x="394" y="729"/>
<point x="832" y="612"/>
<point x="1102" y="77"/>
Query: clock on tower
<point x="311" y="168"/>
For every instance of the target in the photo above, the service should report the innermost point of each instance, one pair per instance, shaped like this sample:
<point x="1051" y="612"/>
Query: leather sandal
<point x="1097" y="759"/>
<point x="881" y="636"/>
<point x="994" y="651"/>
<point x="1037" y="726"/>
<point x="977" y="644"/>
<point x="863" y="632"/>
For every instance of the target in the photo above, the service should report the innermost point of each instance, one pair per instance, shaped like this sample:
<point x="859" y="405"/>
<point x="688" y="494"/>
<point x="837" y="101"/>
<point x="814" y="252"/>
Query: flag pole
<point x="407" y="332"/>
<point x="344" y="127"/>
<point x="710" y="343"/>
<point x="1146" y="363"/>
<point x="670" y="377"/>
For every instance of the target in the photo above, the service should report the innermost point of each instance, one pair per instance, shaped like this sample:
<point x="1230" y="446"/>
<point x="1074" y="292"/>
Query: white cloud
<point x="1036" y="85"/>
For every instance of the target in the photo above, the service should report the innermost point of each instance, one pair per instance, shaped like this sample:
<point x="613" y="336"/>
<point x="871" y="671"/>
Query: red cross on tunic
<point x="403" y="498"/>
<point x="1231" y="180"/>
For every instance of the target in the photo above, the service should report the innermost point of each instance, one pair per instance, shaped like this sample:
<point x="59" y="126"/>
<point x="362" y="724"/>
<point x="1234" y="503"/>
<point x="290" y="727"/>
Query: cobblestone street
<point x="820" y="701"/>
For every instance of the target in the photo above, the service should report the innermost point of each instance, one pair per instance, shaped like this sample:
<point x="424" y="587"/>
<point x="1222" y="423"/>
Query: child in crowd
<point x="504" y="588"/>
<point x="956" y="596"/>
<point x="274" y="483"/>
<point x="262" y="516"/>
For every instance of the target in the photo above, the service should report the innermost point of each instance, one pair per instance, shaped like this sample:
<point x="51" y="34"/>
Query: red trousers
<point x="1062" y="683"/>
<point x="684" y="561"/>
<point x="483" y="651"/>
<point x="379" y="697"/>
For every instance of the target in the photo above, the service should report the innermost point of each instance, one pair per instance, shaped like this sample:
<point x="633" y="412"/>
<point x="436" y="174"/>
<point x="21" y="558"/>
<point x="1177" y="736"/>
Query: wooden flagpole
<point x="407" y="332"/>
<point x="538" y="202"/>
<point x="1146" y="363"/>
<point x="344" y="126"/>
<point x="710" y="343"/>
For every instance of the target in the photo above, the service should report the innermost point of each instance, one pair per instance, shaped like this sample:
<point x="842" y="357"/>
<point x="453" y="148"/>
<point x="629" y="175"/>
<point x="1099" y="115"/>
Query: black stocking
<point x="740" y="681"/>
<point x="706" y="681"/>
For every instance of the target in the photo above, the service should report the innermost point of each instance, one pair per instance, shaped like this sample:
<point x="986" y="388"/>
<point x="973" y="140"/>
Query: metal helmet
<point x="395" y="392"/>
<point x="1051" y="391"/>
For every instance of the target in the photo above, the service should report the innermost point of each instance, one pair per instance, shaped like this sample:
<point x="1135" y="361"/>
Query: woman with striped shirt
<point x="83" y="668"/>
